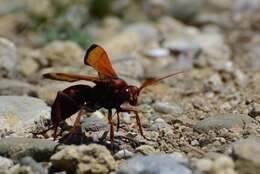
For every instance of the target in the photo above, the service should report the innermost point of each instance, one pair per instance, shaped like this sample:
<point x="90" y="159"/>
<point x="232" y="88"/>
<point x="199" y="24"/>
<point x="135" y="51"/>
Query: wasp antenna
<point x="153" y="81"/>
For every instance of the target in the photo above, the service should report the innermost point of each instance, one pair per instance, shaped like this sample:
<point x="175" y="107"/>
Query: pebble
<point x="145" y="150"/>
<point x="123" y="154"/>
<point x="93" y="123"/>
<point x="204" y="164"/>
<point x="16" y="87"/>
<point x="8" y="57"/>
<point x="145" y="31"/>
<point x="247" y="155"/>
<point x="5" y="163"/>
<point x="183" y="10"/>
<point x="228" y="121"/>
<point x="83" y="159"/>
<point x="157" y="53"/>
<point x="223" y="165"/>
<point x="156" y="164"/>
<point x="36" y="167"/>
<point x="17" y="148"/>
<point x="168" y="108"/>
<point x="61" y="53"/>
<point x="19" y="112"/>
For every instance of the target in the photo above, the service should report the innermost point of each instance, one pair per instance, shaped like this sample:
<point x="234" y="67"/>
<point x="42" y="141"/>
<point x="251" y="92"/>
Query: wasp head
<point x="132" y="93"/>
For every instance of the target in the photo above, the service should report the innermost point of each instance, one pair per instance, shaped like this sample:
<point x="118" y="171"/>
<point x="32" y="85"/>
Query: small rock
<point x="36" y="167"/>
<point x="247" y="155"/>
<point x="145" y="31"/>
<point x="16" y="148"/>
<point x="155" y="8"/>
<point x="215" y="50"/>
<point x="128" y="65"/>
<point x="157" y="53"/>
<point x="228" y="121"/>
<point x="123" y="154"/>
<point x="241" y="78"/>
<point x="157" y="164"/>
<point x="183" y="10"/>
<point x="168" y="108"/>
<point x="214" y="83"/>
<point x="93" y="123"/>
<point x="223" y="165"/>
<point x="5" y="163"/>
<point x="204" y="164"/>
<point x="195" y="143"/>
<point x="145" y="150"/>
<point x="17" y="169"/>
<point x="63" y="53"/>
<point x="18" y="112"/>
<point x="28" y="67"/>
<point x="16" y="87"/>
<point x="8" y="57"/>
<point x="84" y="159"/>
<point x="159" y="124"/>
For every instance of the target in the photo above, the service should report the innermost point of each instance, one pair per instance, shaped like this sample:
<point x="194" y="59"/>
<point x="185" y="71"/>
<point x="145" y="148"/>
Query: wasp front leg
<point x="137" y="117"/>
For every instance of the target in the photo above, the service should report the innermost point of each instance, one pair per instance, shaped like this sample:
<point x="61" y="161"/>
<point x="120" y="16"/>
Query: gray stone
<point x="157" y="53"/>
<point x="244" y="5"/>
<point x="228" y="121"/>
<point x="204" y="164"/>
<point x="155" y="164"/>
<point x="129" y="66"/>
<point x="123" y="154"/>
<point x="16" y="87"/>
<point x="84" y="159"/>
<point x="145" y="31"/>
<point x="36" y="167"/>
<point x="8" y="57"/>
<point x="183" y="10"/>
<point x="93" y="123"/>
<point x="63" y="53"/>
<point x="223" y="164"/>
<point x="18" y="112"/>
<point x="168" y="108"/>
<point x="247" y="155"/>
<point x="145" y="150"/>
<point x="16" y="148"/>
<point x="5" y="163"/>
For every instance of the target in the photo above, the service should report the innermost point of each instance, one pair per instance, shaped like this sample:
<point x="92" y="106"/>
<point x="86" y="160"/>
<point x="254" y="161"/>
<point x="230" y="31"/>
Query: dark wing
<point x="97" y="58"/>
<point x="71" y="77"/>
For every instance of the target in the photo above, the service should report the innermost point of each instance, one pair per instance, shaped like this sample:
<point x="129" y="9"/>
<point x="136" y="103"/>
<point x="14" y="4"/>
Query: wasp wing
<point x="97" y="58"/>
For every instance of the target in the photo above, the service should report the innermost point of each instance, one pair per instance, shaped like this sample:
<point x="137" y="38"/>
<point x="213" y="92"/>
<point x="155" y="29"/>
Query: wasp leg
<point x="118" y="121"/>
<point x="137" y="117"/>
<point x="110" y="121"/>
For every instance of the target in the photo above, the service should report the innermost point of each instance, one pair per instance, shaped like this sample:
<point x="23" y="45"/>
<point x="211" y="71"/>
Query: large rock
<point x="5" y="163"/>
<point x="17" y="148"/>
<point x="18" y="112"/>
<point x="16" y="87"/>
<point x="228" y="121"/>
<point x="63" y="53"/>
<point x="8" y="57"/>
<point x="156" y="164"/>
<point x="247" y="155"/>
<point x="93" y="159"/>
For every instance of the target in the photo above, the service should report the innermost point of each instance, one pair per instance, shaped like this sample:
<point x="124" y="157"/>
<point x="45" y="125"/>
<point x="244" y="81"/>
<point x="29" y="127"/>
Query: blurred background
<point x="217" y="42"/>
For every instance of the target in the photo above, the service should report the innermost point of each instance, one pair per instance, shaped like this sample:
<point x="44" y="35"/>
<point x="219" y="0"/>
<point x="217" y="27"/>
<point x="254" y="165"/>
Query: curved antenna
<point x="153" y="81"/>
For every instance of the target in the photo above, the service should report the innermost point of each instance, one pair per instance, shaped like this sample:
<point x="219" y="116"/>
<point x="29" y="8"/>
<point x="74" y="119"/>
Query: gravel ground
<point x="203" y="121"/>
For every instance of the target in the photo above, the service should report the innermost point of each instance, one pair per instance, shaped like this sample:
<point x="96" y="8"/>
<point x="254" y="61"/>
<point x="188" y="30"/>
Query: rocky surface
<point x="16" y="148"/>
<point x="83" y="159"/>
<point x="204" y="120"/>
<point x="20" y="112"/>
